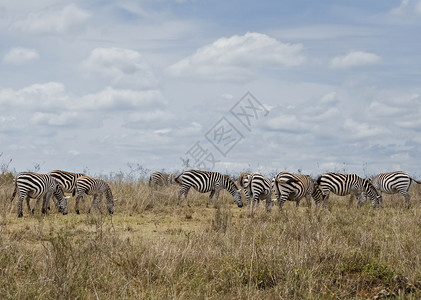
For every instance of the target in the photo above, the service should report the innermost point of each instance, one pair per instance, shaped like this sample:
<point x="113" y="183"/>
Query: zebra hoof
<point x="20" y="215"/>
<point x="44" y="211"/>
<point x="77" y="212"/>
<point x="64" y="213"/>
<point x="32" y="211"/>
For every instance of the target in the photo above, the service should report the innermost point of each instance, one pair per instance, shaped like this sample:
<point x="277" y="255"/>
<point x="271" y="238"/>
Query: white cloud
<point x="120" y="100"/>
<point x="54" y="21"/>
<point x="401" y="8"/>
<point x="124" y="67"/>
<point x="55" y="119"/>
<point x="237" y="57"/>
<point x="53" y="97"/>
<point x="143" y="117"/>
<point x="36" y="97"/>
<point x="20" y="55"/>
<point x="360" y="129"/>
<point x="354" y="59"/>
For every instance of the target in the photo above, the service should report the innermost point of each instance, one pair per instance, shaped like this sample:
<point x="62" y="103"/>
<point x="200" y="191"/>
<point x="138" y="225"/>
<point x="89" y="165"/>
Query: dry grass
<point x="153" y="249"/>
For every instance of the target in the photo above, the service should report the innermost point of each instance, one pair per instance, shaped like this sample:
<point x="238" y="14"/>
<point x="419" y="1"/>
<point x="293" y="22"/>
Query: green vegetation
<point x="153" y="249"/>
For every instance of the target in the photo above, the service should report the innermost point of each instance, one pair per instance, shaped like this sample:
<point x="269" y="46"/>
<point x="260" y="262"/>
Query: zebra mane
<point x="229" y="184"/>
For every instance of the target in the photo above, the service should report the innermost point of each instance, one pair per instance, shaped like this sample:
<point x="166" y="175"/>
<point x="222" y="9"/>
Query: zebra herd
<point x="292" y="187"/>
<point x="54" y="184"/>
<point x="284" y="186"/>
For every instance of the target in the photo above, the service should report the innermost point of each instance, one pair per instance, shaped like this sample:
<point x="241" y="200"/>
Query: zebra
<point x="257" y="186"/>
<point x="95" y="187"/>
<point x="345" y="184"/>
<point x="392" y="183"/>
<point x="161" y="179"/>
<point x="293" y="187"/>
<point x="204" y="181"/>
<point x="34" y="185"/>
<point x="67" y="180"/>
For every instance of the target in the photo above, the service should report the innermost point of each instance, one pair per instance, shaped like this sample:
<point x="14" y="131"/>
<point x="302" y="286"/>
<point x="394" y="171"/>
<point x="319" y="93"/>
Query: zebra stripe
<point x="257" y="186"/>
<point x="33" y="185"/>
<point x="392" y="183"/>
<point x="345" y="184"/>
<point x="161" y="179"/>
<point x="204" y="181"/>
<point x="293" y="187"/>
<point x="67" y="180"/>
<point x="95" y="187"/>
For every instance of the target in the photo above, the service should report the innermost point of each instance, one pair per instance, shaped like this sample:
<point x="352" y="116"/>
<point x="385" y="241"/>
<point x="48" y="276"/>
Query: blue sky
<point x="98" y="85"/>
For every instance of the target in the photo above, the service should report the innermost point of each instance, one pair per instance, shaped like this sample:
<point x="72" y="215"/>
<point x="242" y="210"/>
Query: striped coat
<point x="294" y="187"/>
<point x="345" y="184"/>
<point x="67" y="180"/>
<point x="96" y="187"/>
<point x="256" y="187"/>
<point x="204" y="182"/>
<point x="392" y="183"/>
<point x="37" y="186"/>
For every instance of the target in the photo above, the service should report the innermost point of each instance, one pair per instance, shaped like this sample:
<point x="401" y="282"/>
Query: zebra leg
<point x="326" y="199"/>
<point x="256" y="203"/>
<point x="284" y="198"/>
<point x="20" y="200"/>
<point x="77" y="202"/>
<point x="46" y="203"/>
<point x="184" y="190"/>
<point x="407" y="198"/>
<point x="210" y="197"/>
<point x="96" y="199"/>
<point x="27" y="205"/>
<point x="269" y="203"/>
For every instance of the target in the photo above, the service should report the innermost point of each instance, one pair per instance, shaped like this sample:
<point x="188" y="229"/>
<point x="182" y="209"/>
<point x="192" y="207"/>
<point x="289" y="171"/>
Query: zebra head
<point x="317" y="193"/>
<point x="237" y="198"/>
<point x="375" y="198"/>
<point x="62" y="200"/>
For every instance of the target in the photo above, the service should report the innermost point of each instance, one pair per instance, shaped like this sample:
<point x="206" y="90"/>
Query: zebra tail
<point x="15" y="190"/>
<point x="416" y="181"/>
<point x="290" y="180"/>
<point x="178" y="179"/>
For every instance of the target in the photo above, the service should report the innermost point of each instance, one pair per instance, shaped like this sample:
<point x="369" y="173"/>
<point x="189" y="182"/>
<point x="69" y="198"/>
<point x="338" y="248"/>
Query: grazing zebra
<point x="67" y="180"/>
<point x="345" y="184"/>
<point x="95" y="187"/>
<point x="161" y="179"/>
<point x="258" y="187"/>
<point x="294" y="187"/>
<point x="33" y="185"/>
<point x="392" y="183"/>
<point x="204" y="181"/>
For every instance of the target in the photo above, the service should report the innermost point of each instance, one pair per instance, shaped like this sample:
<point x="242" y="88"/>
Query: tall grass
<point x="151" y="248"/>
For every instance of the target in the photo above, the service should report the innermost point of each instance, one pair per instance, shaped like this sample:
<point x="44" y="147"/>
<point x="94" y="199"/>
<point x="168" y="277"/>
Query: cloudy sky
<point x="225" y="85"/>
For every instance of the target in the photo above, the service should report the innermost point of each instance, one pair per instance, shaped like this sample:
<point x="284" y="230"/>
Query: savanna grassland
<point x="151" y="248"/>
